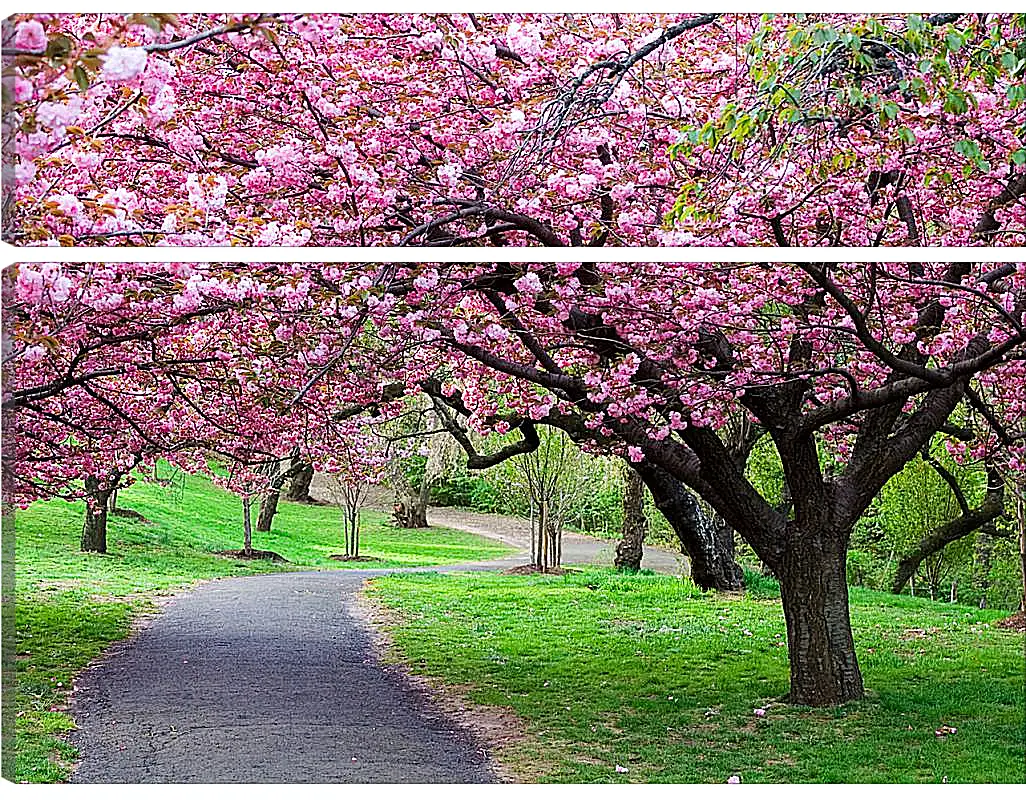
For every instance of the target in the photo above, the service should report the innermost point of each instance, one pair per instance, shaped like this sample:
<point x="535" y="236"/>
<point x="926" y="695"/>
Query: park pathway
<point x="262" y="679"/>
<point x="273" y="679"/>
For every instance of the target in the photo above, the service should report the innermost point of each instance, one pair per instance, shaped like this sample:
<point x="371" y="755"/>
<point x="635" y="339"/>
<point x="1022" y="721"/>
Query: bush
<point x="470" y="491"/>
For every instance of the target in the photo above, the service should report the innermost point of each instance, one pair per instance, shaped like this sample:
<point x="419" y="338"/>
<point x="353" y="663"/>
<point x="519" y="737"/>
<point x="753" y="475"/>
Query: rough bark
<point x="814" y="590"/>
<point x="410" y="511"/>
<point x="711" y="553"/>
<point x="94" y="529"/>
<point x="268" y="508"/>
<point x="247" y="527"/>
<point x="299" y="487"/>
<point x="269" y="502"/>
<point x="629" y="550"/>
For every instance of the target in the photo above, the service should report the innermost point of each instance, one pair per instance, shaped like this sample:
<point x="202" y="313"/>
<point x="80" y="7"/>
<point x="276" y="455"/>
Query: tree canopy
<point x="492" y="129"/>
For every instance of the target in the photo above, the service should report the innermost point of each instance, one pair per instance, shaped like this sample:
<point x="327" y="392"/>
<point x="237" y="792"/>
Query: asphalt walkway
<point x="273" y="679"/>
<point x="262" y="679"/>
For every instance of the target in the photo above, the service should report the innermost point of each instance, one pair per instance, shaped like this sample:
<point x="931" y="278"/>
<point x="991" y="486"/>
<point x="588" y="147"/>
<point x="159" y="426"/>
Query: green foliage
<point x="824" y="72"/>
<point x="762" y="586"/>
<point x="648" y="673"/>
<point x="913" y="502"/>
<point x="765" y="472"/>
<point x="71" y="605"/>
<point x="475" y="492"/>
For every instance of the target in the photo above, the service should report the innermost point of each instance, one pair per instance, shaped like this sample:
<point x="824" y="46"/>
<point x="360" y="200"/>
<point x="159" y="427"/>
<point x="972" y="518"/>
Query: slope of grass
<point x="69" y="605"/>
<point x="648" y="673"/>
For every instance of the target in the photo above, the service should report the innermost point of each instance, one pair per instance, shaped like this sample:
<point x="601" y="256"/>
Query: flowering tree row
<point x="851" y="370"/>
<point x="496" y="129"/>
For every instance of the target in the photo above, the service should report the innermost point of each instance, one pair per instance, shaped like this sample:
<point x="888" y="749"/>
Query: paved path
<point x="262" y="679"/>
<point x="576" y="549"/>
<point x="516" y="531"/>
<point x="271" y="678"/>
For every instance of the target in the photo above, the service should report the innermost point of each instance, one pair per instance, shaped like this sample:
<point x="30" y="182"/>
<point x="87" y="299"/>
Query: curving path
<point x="262" y="679"/>
<point x="272" y="678"/>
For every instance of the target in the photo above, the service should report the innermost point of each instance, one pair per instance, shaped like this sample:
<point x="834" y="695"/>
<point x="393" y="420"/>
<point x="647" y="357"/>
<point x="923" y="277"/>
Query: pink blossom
<point x="123" y="63"/>
<point x="496" y="332"/>
<point x="529" y="283"/>
<point x="30" y="35"/>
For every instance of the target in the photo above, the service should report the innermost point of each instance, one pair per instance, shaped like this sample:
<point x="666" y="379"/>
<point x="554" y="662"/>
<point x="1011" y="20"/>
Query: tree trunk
<point x="543" y="540"/>
<point x="814" y="591"/>
<point x="629" y="549"/>
<point x="535" y="558"/>
<point x="299" y="487"/>
<point x="112" y="501"/>
<point x="268" y="508"/>
<point x="410" y="512"/>
<point x="1020" y="522"/>
<point x="710" y="552"/>
<point x="554" y="548"/>
<point x="247" y="527"/>
<point x="94" y="530"/>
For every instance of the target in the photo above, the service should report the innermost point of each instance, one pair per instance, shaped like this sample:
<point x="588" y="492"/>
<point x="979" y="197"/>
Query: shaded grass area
<point x="648" y="673"/>
<point x="70" y="606"/>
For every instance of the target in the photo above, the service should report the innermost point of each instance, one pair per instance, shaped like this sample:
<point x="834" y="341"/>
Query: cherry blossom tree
<point x="850" y="369"/>
<point x="107" y="369"/>
<point x="354" y="465"/>
<point x="493" y="129"/>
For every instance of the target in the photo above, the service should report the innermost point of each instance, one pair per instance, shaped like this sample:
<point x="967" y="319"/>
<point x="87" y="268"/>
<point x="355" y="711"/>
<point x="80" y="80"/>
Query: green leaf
<point x="824" y="35"/>
<point x="58" y="48"/>
<point x="906" y="136"/>
<point x="81" y="77"/>
<point x="1019" y="157"/>
<point x="967" y="148"/>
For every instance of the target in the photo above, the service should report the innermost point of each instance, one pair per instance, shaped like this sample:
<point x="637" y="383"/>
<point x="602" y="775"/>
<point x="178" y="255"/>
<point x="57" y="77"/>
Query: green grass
<point x="648" y="673"/>
<point x="70" y="606"/>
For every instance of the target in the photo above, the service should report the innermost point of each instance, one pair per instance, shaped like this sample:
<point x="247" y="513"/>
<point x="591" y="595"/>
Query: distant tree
<point x="629" y="550"/>
<point x="937" y="511"/>
<point x="353" y="467"/>
<point x="423" y="453"/>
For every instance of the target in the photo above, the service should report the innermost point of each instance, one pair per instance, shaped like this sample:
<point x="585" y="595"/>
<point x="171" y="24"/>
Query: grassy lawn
<point x="69" y="605"/>
<point x="648" y="673"/>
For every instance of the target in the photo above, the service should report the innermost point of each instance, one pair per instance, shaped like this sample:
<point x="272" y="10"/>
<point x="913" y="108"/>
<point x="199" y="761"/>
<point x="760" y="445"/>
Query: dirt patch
<point x="59" y="586"/>
<point x="494" y="728"/>
<point x="341" y="557"/>
<point x="1016" y="622"/>
<point x="254" y="555"/>
<point x="532" y="569"/>
<point x="127" y="513"/>
<point x="918" y="633"/>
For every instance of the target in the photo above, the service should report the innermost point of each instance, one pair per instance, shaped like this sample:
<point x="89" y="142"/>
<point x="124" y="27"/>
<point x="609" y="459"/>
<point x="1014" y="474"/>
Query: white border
<point x="521" y="255"/>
